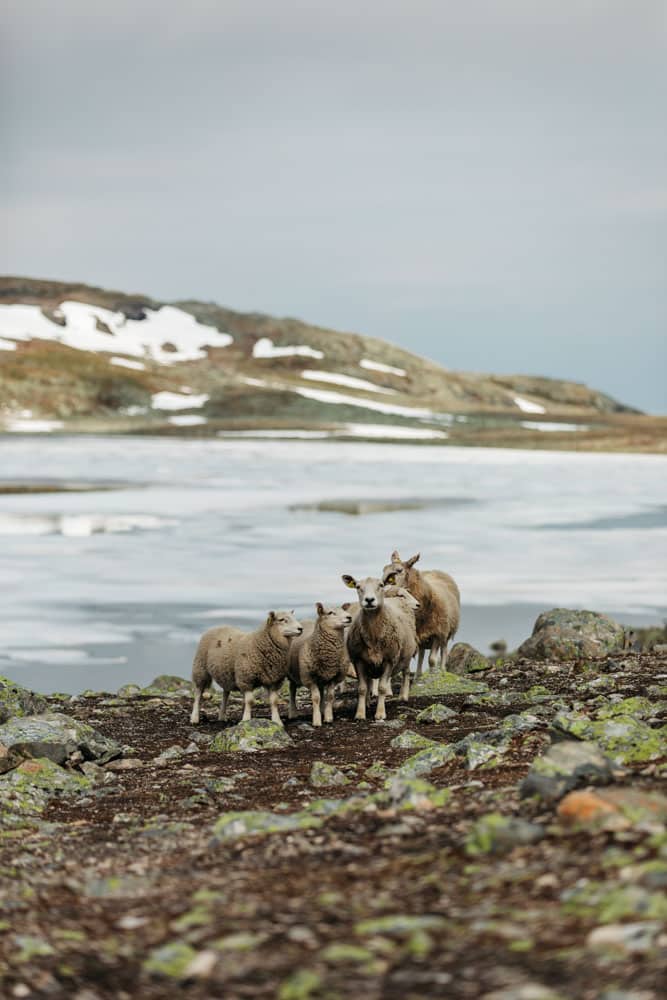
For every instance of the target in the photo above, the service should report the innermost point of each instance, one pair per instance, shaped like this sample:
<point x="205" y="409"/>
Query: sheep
<point x="439" y="609"/>
<point x="242" y="661"/>
<point x="378" y="642"/>
<point x="407" y="604"/>
<point x="318" y="660"/>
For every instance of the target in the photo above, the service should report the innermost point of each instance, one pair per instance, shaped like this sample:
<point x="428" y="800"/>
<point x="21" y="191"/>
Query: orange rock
<point x="580" y="807"/>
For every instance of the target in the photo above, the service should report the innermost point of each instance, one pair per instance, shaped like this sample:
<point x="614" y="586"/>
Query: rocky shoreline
<point x="502" y="836"/>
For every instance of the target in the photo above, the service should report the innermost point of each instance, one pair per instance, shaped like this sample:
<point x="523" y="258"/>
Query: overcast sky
<point x="483" y="182"/>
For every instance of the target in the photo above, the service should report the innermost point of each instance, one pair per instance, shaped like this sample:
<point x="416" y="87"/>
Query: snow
<point x="298" y="434"/>
<point x="79" y="525"/>
<point x="377" y="366"/>
<point x="7" y="345"/>
<point x="346" y="380"/>
<point x="139" y="338"/>
<point x="527" y="406"/>
<point x="327" y="396"/>
<point x="187" y="420"/>
<point x="264" y="348"/>
<point x="392" y="431"/>
<point x="30" y="426"/>
<point x="259" y="382"/>
<point x="138" y="366"/>
<point x="176" y="401"/>
<point x="543" y="425"/>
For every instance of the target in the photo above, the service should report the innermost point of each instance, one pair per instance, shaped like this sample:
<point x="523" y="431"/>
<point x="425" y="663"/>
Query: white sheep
<point x="406" y="604"/>
<point x="439" y="609"/>
<point x="243" y="661"/>
<point x="378" y="642"/>
<point x="318" y="660"/>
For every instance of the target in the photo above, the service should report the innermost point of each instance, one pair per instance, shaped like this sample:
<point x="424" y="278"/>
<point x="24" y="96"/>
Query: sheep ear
<point x="346" y="606"/>
<point x="349" y="581"/>
<point x="411" y="562"/>
<point x="272" y="617"/>
<point x="320" y="609"/>
<point x="395" y="558"/>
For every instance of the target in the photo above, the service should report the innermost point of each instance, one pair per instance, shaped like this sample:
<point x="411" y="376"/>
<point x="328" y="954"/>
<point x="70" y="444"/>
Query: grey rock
<point x="250" y="737"/>
<point x="636" y="938"/>
<point x="18" y="701"/>
<point x="436" y="713"/>
<point x="565" y="766"/>
<point x="565" y="634"/>
<point x="464" y="658"/>
<point x="57" y="736"/>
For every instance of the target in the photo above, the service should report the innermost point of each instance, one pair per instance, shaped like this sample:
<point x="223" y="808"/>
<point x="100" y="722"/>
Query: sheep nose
<point x="299" y="630"/>
<point x="369" y="601"/>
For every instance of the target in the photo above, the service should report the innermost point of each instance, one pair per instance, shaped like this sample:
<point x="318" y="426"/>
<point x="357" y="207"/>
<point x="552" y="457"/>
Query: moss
<point x="410" y="740"/>
<point x="251" y="736"/>
<point x="301" y="985"/>
<point x="342" y="952"/>
<point x="170" y="961"/>
<point x="426" y="760"/>
<point x="239" y="942"/>
<point x="442" y="682"/>
<point x="322" y="775"/>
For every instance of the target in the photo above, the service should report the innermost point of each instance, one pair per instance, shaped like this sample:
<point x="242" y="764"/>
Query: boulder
<point x="564" y="634"/>
<point x="323" y="775"/>
<point x="563" y="767"/>
<point x="251" y="736"/>
<point x="497" y="834"/>
<point x="410" y="740"/>
<point x="435" y="713"/>
<point x="234" y="825"/>
<point x="57" y="736"/>
<point x="464" y="658"/>
<point x="615" y="809"/>
<point x="624" y="738"/>
<point x="18" y="701"/>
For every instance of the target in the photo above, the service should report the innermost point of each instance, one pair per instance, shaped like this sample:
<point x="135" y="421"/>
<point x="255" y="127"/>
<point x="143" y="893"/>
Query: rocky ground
<point x="502" y="836"/>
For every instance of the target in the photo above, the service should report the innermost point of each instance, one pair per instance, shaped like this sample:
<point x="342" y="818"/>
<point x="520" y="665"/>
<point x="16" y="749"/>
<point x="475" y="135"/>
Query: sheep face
<point x="336" y="618"/>
<point x="405" y="596"/>
<point x="285" y="623"/>
<point x="395" y="574"/>
<point x="370" y="591"/>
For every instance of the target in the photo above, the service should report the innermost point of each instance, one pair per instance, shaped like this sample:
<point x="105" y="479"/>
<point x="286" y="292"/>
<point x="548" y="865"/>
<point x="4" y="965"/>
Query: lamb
<point x="378" y="643"/>
<point x="318" y="660"/>
<point x="439" y="609"/>
<point x="242" y="661"/>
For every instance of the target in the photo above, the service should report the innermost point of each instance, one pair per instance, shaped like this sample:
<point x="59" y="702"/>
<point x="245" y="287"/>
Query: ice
<point x="527" y="406"/>
<point x="376" y="366"/>
<point x="346" y="380"/>
<point x="265" y="348"/>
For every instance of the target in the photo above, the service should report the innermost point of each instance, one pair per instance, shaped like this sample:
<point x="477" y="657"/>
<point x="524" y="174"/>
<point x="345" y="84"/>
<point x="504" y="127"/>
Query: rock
<point x="175" y="752"/>
<point x="626" y="939"/>
<point x="170" y="961"/>
<point x="609" y="903"/>
<point x="117" y="887"/>
<point x="442" y="682"/>
<point x="436" y="713"/>
<point x="300" y="985"/>
<point x="615" y="809"/>
<point x="168" y="684"/>
<point x="26" y="790"/>
<point x="563" y="767"/>
<point x="8" y="759"/>
<point x="18" y="701"/>
<point x="400" y="924"/>
<point x="343" y="953"/>
<point x="410" y="740"/>
<point x="564" y="634"/>
<point x="481" y="754"/>
<point x="57" y="736"/>
<point x="463" y="659"/>
<point x="637" y="708"/>
<point x="251" y="736"/>
<point x="233" y="825"/>
<point x="322" y="775"/>
<point x="128" y="690"/>
<point x="496" y="834"/>
<point x="426" y="760"/>
<point x="126" y="764"/>
<point x="625" y="739"/>
<point x="415" y="793"/>
<point x="526" y="991"/>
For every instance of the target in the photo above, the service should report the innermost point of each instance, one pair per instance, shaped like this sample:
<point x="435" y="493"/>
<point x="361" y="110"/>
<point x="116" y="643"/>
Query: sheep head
<point x="333" y="617"/>
<point x="396" y="573"/>
<point x="370" y="591"/>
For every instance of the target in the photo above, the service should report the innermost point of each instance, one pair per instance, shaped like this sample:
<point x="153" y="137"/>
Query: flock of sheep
<point x="400" y="615"/>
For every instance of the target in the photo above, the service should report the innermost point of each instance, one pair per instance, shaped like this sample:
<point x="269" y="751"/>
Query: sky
<point x="484" y="182"/>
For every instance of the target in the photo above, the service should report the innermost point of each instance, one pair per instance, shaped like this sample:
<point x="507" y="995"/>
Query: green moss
<point x="301" y="985"/>
<point x="442" y="682"/>
<point x="410" y="740"/>
<point x="170" y="961"/>
<point x="239" y="942"/>
<point x="342" y="952"/>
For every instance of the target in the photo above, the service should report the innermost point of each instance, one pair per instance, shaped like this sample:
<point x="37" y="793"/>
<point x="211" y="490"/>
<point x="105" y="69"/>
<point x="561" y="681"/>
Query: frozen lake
<point x="107" y="586"/>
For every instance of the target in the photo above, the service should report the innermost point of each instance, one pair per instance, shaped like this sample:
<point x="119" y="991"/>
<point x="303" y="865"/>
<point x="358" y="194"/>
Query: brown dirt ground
<point x="504" y="924"/>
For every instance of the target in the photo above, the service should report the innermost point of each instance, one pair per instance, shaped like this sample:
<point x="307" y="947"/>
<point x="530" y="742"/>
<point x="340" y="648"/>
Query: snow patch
<point x="30" y="426"/>
<point x="392" y="431"/>
<point x="265" y="348"/>
<point x="346" y="380"/>
<point x="177" y="401"/>
<point x="377" y="366"/>
<point x="299" y="434"/>
<point x="187" y="420"/>
<point x="138" y="366"/>
<point x="167" y="335"/>
<point x="327" y="396"/>
<point x="527" y="406"/>
<point x="7" y="345"/>
<point x="543" y="425"/>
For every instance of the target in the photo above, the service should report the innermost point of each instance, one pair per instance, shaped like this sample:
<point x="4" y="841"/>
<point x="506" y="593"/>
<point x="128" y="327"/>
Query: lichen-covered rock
<point x="170" y="961"/>
<point x="410" y="740"/>
<point x="625" y="939"/>
<point x="443" y="682"/>
<point x="497" y="834"/>
<point x="233" y="825"/>
<point x="464" y="658"/>
<point x="322" y="775"/>
<point x="625" y="739"/>
<point x="565" y="766"/>
<point x="251" y="736"/>
<point x="18" y="701"/>
<point x="168" y="684"/>
<point x="399" y="923"/>
<point x="485" y="755"/>
<point x="425" y="761"/>
<point x="436" y="713"/>
<point x="565" y="634"/>
<point x="615" y="809"/>
<point x="128" y="690"/>
<point x="415" y="793"/>
<point x="637" y="708"/>
<point x="609" y="902"/>
<point x="57" y="736"/>
<point x="26" y="790"/>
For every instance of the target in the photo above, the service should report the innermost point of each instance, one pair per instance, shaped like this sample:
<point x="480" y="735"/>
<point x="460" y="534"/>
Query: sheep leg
<point x="316" y="698"/>
<point x="443" y="655"/>
<point x="273" y="702"/>
<point x="375" y="687"/>
<point x="329" y="694"/>
<point x="222" y="714"/>
<point x="196" y="705"/>
<point x="420" y="663"/>
<point x="362" y="690"/>
<point x="384" y="689"/>
<point x="292" y="700"/>
<point x="434" y="655"/>
<point x="248" y="700"/>
<point x="405" y="683"/>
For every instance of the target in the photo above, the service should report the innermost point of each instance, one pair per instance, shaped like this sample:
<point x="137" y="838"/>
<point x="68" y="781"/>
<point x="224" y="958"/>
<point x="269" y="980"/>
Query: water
<point x="100" y="588"/>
